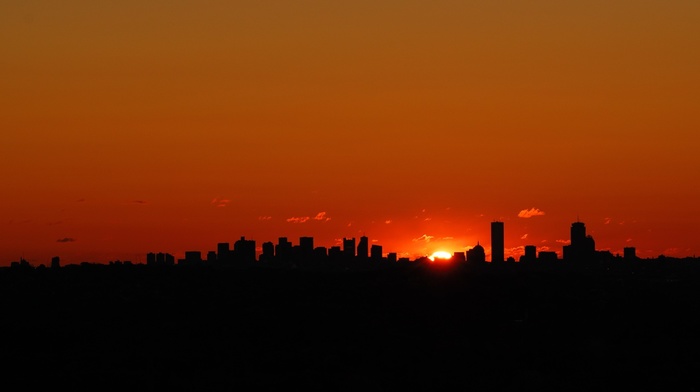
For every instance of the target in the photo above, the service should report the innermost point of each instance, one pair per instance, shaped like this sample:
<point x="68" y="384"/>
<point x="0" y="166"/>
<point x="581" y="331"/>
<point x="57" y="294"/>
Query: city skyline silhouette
<point x="173" y="126"/>
<point x="580" y="248"/>
<point x="366" y="195"/>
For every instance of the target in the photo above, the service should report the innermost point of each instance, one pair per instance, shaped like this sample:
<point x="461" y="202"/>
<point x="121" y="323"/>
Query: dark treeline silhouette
<point x="304" y="320"/>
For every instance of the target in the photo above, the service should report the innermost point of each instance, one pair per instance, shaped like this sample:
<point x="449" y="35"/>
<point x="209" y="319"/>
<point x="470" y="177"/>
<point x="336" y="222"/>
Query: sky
<point x="165" y="126"/>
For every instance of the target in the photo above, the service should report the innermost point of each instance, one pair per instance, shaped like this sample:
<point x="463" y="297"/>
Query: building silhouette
<point x="547" y="256"/>
<point x="192" y="257"/>
<point x="211" y="257"/>
<point x="630" y="253"/>
<point x="283" y="249"/>
<point x="306" y="246"/>
<point x="268" y="251"/>
<point x="334" y="252"/>
<point x="582" y="246"/>
<point x="223" y="252"/>
<point x="363" y="248"/>
<point x="160" y="258"/>
<point x="497" y="242"/>
<point x="349" y="247"/>
<point x="476" y="254"/>
<point x="244" y="250"/>
<point x="530" y="254"/>
<point x="375" y="252"/>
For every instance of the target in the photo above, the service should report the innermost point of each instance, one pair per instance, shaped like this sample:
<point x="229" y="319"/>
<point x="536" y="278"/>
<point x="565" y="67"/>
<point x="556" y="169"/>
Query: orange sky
<point x="131" y="126"/>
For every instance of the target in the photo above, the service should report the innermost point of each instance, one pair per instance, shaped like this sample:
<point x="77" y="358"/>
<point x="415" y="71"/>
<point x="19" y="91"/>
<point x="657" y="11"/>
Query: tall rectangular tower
<point x="363" y="248"/>
<point x="497" y="242"/>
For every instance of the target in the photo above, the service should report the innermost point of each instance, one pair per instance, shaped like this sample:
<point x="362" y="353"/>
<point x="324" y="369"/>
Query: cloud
<point x="387" y="221"/>
<point x="220" y="202"/>
<point x="523" y="236"/>
<point x="321" y="216"/>
<point x="424" y="238"/>
<point x="264" y="218"/>
<point x="607" y="221"/>
<point x="139" y="202"/>
<point x="66" y="239"/>
<point x="565" y="242"/>
<point x="298" y="219"/>
<point x="530" y="213"/>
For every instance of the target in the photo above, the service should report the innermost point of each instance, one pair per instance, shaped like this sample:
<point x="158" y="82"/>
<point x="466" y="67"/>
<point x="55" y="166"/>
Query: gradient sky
<point x="138" y="126"/>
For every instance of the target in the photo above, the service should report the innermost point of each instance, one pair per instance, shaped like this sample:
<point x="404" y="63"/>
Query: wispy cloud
<point x="218" y="202"/>
<point x="424" y="238"/>
<point x="607" y="221"/>
<point x="66" y="239"/>
<point x="523" y="236"/>
<point x="139" y="202"/>
<point x="264" y="218"/>
<point x="388" y="221"/>
<point x="565" y="242"/>
<point x="298" y="219"/>
<point x="530" y="213"/>
<point x="321" y="216"/>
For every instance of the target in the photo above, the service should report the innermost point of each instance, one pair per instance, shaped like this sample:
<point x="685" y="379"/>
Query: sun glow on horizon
<point x="441" y="255"/>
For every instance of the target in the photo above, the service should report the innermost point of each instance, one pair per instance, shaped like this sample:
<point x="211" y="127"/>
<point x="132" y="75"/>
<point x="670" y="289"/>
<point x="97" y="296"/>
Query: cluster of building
<point x="244" y="251"/>
<point x="580" y="248"/>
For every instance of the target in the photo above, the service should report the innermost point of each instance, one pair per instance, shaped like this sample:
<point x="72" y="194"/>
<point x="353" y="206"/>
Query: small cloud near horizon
<point x="321" y="216"/>
<point x="217" y="202"/>
<point x="524" y="236"/>
<point x="424" y="237"/>
<point x="530" y="213"/>
<point x="66" y="239"/>
<point x="298" y="219"/>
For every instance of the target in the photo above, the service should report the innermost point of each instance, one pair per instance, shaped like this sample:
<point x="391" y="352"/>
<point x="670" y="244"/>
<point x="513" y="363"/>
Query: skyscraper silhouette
<point x="349" y="247"/>
<point x="582" y="246"/>
<point x="306" y="247"/>
<point x="363" y="248"/>
<point x="376" y="252"/>
<point x="497" y="242"/>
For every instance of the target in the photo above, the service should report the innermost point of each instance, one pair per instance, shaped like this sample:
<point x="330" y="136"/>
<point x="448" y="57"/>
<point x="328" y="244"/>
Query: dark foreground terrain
<point x="458" y="328"/>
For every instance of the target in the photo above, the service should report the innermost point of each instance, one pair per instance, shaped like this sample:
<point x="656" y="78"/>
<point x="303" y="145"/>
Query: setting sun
<point x="442" y="255"/>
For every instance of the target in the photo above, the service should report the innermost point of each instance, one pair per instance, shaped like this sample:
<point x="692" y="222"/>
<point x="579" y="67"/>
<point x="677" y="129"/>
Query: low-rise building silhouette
<point x="476" y="254"/>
